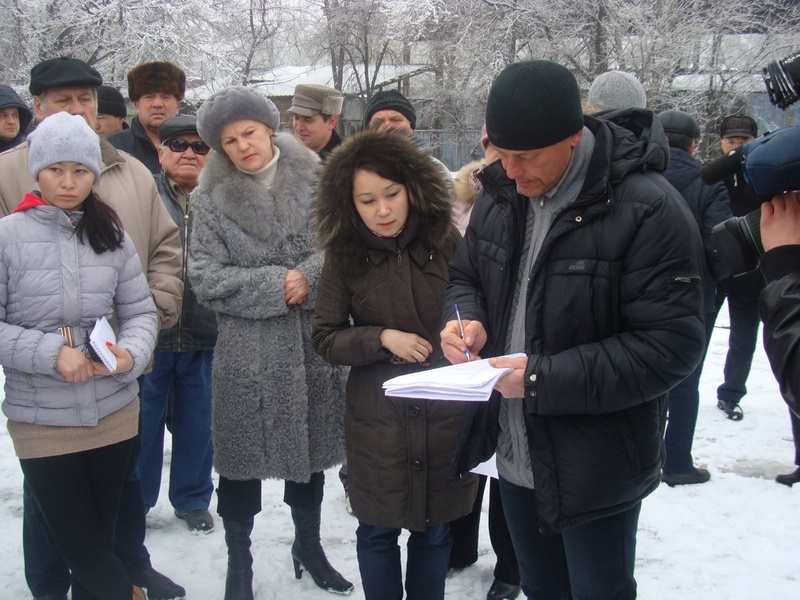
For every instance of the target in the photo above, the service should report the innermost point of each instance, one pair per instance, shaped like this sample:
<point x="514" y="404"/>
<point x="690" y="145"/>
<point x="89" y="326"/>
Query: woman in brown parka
<point x="384" y="220"/>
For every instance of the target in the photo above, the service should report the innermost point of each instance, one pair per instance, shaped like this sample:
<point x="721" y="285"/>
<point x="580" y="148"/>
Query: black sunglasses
<point x="181" y="145"/>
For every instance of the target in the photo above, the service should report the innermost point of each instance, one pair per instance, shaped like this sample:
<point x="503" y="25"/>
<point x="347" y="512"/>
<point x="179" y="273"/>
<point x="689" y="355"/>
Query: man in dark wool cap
<point x="583" y="259"/>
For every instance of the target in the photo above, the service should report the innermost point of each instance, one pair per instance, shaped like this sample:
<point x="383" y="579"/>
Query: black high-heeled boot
<point x="307" y="553"/>
<point x="239" y="582"/>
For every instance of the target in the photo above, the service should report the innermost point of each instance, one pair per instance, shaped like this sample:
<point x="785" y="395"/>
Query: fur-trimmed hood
<point x="428" y="191"/>
<point x="258" y="211"/>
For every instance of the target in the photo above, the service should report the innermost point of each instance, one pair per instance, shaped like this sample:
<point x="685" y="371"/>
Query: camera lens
<point x="739" y="242"/>
<point x="782" y="79"/>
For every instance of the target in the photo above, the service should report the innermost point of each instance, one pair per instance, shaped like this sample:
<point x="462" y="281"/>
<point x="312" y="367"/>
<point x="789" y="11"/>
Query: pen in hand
<point x="461" y="329"/>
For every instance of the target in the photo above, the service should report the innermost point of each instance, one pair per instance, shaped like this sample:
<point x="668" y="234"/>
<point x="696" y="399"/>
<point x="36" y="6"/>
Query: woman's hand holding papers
<point x="454" y="348"/>
<point x="513" y="384"/>
<point x="407" y="346"/>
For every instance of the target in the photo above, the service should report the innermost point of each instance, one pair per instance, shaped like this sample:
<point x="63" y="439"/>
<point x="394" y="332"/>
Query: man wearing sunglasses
<point x="156" y="90"/>
<point x="182" y="360"/>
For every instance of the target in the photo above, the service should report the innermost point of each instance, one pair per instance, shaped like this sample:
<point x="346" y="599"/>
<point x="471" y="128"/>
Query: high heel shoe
<point x="308" y="555"/>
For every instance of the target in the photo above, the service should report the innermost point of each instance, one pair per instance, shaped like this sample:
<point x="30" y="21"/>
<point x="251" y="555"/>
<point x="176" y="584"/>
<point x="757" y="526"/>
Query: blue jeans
<point x="590" y="561"/>
<point x="189" y="376"/>
<point x="684" y="402"/>
<point x="426" y="564"/>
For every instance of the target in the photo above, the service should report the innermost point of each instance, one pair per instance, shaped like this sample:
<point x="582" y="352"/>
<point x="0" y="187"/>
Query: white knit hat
<point x="617" y="89"/>
<point x="64" y="137"/>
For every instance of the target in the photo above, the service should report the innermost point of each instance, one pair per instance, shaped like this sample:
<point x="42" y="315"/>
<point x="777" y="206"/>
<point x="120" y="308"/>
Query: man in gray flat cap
<point x="315" y="112"/>
<point x="182" y="359"/>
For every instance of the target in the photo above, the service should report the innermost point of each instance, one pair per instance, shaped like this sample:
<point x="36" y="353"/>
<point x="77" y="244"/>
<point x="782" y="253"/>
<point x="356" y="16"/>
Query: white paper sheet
<point x="488" y="468"/>
<point x="102" y="333"/>
<point x="465" y="382"/>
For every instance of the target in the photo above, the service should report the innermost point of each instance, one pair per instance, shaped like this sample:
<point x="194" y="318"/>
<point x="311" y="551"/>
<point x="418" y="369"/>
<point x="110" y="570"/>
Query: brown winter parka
<point x="399" y="451"/>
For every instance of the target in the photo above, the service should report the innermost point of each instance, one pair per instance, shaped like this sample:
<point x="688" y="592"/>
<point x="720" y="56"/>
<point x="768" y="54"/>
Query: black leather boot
<point x="239" y="582"/>
<point x="307" y="553"/>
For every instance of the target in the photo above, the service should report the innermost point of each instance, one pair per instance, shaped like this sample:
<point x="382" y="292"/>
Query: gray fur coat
<point x="278" y="408"/>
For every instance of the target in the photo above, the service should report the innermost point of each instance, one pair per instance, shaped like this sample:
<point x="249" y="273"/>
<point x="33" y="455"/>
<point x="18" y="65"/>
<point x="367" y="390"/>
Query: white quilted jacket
<point x="49" y="278"/>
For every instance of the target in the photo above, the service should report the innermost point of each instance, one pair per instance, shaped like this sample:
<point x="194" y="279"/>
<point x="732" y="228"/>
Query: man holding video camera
<point x="779" y="305"/>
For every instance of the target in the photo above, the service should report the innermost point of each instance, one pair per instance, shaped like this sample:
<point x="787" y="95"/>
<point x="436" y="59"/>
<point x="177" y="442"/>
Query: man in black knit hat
<point x="111" y="111"/>
<point x="582" y="258"/>
<point x="390" y="110"/>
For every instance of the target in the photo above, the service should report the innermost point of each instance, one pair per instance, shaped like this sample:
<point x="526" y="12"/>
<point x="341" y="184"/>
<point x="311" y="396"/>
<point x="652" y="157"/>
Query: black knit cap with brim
<point x="533" y="104"/>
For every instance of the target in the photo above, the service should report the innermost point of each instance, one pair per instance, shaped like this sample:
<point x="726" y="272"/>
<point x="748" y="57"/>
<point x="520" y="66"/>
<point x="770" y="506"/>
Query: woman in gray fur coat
<point x="277" y="406"/>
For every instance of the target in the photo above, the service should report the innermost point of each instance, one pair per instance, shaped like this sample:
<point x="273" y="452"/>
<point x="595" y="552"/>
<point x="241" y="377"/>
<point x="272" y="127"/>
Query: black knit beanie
<point x="533" y="104"/>
<point x="111" y="102"/>
<point x="390" y="100"/>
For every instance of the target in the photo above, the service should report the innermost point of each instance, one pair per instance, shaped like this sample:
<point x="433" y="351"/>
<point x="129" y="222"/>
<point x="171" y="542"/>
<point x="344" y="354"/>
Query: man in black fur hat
<point x="582" y="258"/>
<point x="156" y="90"/>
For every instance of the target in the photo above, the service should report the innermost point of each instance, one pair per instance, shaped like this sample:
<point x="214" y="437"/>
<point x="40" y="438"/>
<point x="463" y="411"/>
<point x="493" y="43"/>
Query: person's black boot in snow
<point x="239" y="581"/>
<point x="307" y="553"/>
<point x="789" y="478"/>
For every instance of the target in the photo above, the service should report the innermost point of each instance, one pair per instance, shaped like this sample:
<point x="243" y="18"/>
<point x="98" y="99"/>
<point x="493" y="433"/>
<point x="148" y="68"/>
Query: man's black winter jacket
<point x="613" y="321"/>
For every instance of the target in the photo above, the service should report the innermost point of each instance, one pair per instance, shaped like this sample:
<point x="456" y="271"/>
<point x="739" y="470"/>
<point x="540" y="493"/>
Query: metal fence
<point x="454" y="149"/>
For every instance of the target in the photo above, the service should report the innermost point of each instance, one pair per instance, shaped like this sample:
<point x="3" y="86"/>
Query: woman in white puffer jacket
<point x="65" y="262"/>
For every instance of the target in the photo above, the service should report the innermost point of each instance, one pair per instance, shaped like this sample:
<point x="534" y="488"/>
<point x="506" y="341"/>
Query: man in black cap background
<point x="709" y="206"/>
<point x="315" y="112"/>
<point x="741" y="292"/>
<point x="111" y="111"/>
<point x="182" y="359"/>
<point x="14" y="118"/>
<point x="70" y="85"/>
<point x="580" y="255"/>
<point x="156" y="90"/>
<point x="390" y="110"/>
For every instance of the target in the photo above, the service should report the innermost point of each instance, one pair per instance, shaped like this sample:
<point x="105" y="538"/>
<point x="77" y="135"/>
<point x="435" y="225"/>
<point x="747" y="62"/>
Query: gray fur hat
<point x="617" y="89"/>
<point x="64" y="137"/>
<point x="233" y="104"/>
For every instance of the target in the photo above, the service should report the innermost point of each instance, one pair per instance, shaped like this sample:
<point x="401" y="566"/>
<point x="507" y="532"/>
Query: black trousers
<point x="742" y="340"/>
<point x="241" y="500"/>
<point x="79" y="496"/>
<point x="795" y="436"/>
<point x="464" y="532"/>
<point x="45" y="570"/>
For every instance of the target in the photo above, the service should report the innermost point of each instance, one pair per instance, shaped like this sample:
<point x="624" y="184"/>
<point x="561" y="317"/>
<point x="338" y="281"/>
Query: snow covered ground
<point x="736" y="537"/>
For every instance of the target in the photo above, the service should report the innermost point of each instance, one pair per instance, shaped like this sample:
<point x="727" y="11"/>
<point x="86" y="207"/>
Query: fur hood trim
<point x="464" y="188"/>
<point x="428" y="191"/>
<point x="268" y="214"/>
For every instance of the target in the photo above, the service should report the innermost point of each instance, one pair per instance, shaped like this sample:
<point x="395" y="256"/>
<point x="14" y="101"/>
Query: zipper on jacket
<point x="185" y="252"/>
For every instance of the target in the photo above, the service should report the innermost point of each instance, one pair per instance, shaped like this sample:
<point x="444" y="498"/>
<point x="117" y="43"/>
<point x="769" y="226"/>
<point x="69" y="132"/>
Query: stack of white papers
<point x="466" y="382"/>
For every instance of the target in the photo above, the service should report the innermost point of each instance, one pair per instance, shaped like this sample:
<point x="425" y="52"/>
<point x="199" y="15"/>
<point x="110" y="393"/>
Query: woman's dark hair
<point x="100" y="225"/>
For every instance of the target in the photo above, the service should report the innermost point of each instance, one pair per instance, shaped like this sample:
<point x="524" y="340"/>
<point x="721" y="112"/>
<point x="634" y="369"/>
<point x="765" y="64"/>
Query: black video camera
<point x="782" y="78"/>
<point x="771" y="164"/>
